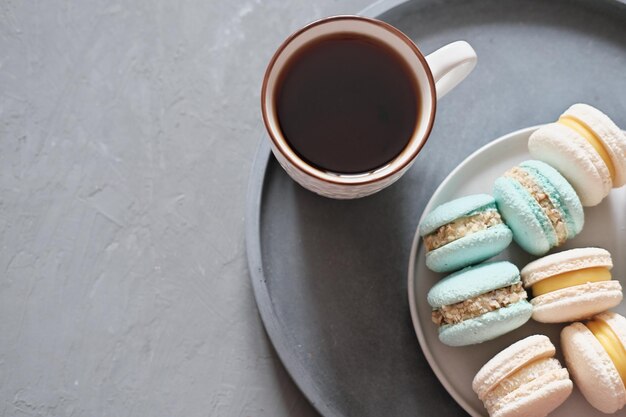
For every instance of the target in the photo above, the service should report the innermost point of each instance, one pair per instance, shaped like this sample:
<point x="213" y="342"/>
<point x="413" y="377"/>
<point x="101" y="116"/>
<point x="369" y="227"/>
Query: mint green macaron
<point x="539" y="205"/>
<point x="479" y="303"/>
<point x="463" y="232"/>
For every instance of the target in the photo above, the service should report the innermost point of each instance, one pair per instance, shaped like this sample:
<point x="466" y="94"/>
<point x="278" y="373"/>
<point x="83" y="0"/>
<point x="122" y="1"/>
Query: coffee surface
<point x="347" y="103"/>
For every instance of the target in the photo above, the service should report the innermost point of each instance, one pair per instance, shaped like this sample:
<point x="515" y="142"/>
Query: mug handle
<point x="450" y="65"/>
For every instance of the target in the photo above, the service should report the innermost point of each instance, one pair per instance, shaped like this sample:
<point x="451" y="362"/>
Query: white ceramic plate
<point x="605" y="226"/>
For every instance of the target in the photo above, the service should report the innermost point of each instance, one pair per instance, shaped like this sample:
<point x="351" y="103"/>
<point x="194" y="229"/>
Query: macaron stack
<point x="578" y="160"/>
<point x="571" y="285"/>
<point x="587" y="148"/>
<point x="539" y="204"/>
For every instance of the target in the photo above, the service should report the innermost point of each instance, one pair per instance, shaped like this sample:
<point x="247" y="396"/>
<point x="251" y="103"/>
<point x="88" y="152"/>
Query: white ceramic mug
<point x="436" y="74"/>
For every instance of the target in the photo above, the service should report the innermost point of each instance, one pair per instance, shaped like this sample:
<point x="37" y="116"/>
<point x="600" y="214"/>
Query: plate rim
<point x="415" y="247"/>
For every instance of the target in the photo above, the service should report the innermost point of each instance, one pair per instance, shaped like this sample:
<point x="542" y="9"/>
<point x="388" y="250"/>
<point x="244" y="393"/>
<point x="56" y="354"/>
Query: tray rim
<point x="252" y="225"/>
<point x="263" y="300"/>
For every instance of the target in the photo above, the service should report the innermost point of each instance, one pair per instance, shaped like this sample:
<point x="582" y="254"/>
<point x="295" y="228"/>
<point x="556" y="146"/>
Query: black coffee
<point x="347" y="103"/>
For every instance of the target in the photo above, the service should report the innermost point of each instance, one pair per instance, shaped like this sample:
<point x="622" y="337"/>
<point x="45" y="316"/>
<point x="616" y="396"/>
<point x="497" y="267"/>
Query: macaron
<point x="540" y="207"/>
<point x="479" y="303"/>
<point x="523" y="380"/>
<point x="571" y="285"/>
<point x="587" y="148"/>
<point x="595" y="354"/>
<point x="463" y="232"/>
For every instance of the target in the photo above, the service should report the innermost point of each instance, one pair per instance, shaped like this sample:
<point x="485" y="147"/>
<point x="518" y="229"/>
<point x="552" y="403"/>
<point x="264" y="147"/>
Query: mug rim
<point x="365" y="177"/>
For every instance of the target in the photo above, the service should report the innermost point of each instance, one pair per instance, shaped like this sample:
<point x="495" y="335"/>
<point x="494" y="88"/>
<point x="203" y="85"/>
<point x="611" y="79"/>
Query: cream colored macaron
<point x="587" y="148"/>
<point x="595" y="355"/>
<point x="523" y="380"/>
<point x="571" y="285"/>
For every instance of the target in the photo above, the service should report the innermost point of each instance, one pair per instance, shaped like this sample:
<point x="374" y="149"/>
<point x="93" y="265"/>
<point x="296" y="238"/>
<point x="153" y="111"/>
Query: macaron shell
<point x="612" y="137"/>
<point x="561" y="193"/>
<point x="471" y="282"/>
<point x="531" y="229"/>
<point x="510" y="360"/>
<point x="486" y="326"/>
<point x="454" y="209"/>
<point x="470" y="249"/>
<point x="566" y="261"/>
<point x="592" y="369"/>
<point x="575" y="159"/>
<point x="576" y="303"/>
<point x="537" y="398"/>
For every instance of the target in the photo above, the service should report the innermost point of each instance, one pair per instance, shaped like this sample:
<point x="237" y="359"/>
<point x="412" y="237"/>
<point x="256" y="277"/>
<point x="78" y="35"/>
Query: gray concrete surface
<point x="127" y="131"/>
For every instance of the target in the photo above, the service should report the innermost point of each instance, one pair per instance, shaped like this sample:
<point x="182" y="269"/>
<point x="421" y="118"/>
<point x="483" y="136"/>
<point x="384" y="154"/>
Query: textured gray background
<point x="127" y="131"/>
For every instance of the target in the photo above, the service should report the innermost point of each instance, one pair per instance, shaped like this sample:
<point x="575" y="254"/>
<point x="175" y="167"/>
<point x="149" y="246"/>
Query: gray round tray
<point x="330" y="276"/>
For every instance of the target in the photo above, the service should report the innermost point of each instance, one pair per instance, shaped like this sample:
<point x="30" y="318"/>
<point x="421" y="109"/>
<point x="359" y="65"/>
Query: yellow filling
<point x="611" y="343"/>
<point x="591" y="137"/>
<point x="571" y="279"/>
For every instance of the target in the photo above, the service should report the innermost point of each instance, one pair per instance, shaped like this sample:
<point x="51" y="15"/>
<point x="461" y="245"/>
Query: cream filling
<point x="590" y="136"/>
<point x="461" y="227"/>
<point x="521" y="176"/>
<point x="481" y="304"/>
<point x="521" y="377"/>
